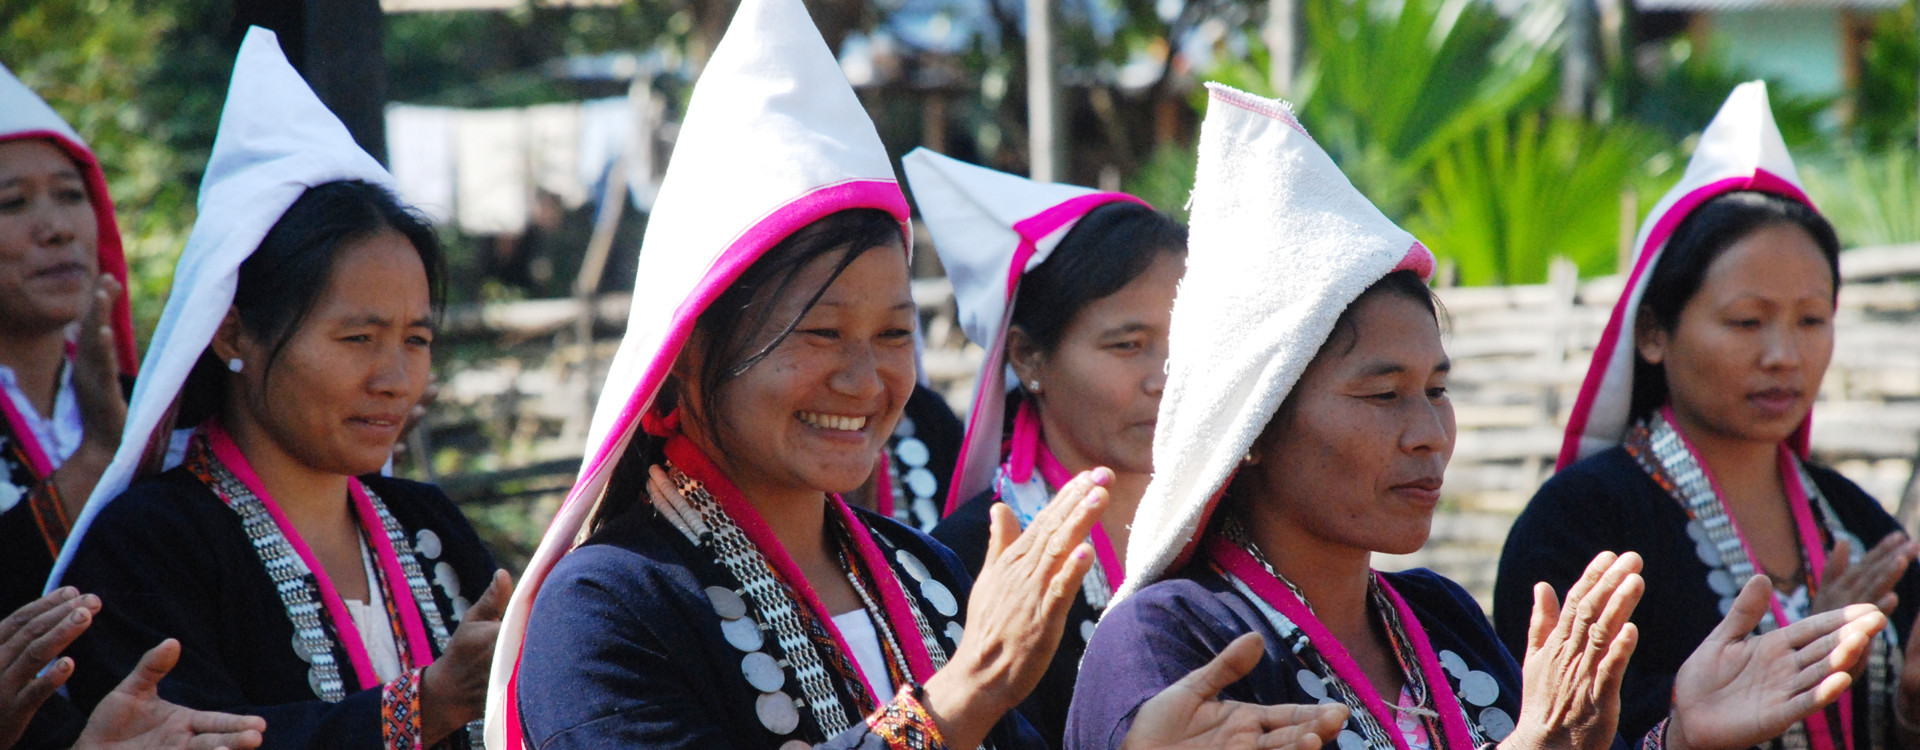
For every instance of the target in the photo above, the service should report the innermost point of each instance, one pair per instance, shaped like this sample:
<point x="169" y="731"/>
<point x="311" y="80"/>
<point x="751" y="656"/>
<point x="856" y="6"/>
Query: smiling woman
<point x="348" y="609"/>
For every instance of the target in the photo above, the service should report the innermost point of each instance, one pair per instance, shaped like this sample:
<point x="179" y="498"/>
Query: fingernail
<point x="1082" y="553"/>
<point x="66" y="592"/>
<point x="1102" y="476"/>
<point x="79" y="616"/>
<point x="1097" y="497"/>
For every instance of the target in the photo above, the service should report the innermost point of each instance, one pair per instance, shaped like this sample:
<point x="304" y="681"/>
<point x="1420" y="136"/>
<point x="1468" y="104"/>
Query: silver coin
<point x="460" y="605"/>
<point x="1697" y="531"/>
<point x="913" y="565"/>
<point x="777" y="712"/>
<point x="1722" y="583"/>
<point x="922" y="482"/>
<point x="1496" y="723"/>
<point x="743" y="634"/>
<point x="1479" y="688"/>
<point x="1351" y="740"/>
<point x="448" y="580"/>
<point x="1086" y="630"/>
<point x="912" y="452"/>
<point x="954" y="632"/>
<point x="313" y="681"/>
<point x="762" y="672"/>
<point x="1726" y="605"/>
<point x="941" y="599"/>
<point x="1454" y="665"/>
<point x="300" y="648"/>
<point x="726" y="604"/>
<point x="1312" y="684"/>
<point x="795" y="745"/>
<point x="1707" y="553"/>
<point x="906" y="428"/>
<point x="427" y="543"/>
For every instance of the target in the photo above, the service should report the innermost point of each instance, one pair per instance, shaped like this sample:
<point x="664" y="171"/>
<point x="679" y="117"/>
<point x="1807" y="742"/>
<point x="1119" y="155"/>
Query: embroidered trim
<point x="400" y="711"/>
<point x="49" y="514"/>
<point x="905" y="724"/>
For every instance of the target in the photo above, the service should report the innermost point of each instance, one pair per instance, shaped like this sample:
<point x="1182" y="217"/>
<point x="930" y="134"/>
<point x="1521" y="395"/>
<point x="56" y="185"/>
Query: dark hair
<point x="730" y="325"/>
<point x="1713" y="227"/>
<point x="1404" y="284"/>
<point x="280" y="283"/>
<point x="1104" y="252"/>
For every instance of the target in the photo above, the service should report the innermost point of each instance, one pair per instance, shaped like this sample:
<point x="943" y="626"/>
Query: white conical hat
<point x="276" y="140"/>
<point x="1279" y="245"/>
<point x="24" y="115"/>
<point x="1740" y="150"/>
<point x="774" y="139"/>
<point x="990" y="228"/>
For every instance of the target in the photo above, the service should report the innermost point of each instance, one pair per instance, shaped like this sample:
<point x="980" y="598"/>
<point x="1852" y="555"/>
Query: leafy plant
<point x="1872" y="199"/>
<point x="1503" y="202"/>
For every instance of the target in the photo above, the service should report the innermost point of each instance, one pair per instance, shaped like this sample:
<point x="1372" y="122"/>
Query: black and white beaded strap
<point x="298" y="589"/>
<point x="410" y="566"/>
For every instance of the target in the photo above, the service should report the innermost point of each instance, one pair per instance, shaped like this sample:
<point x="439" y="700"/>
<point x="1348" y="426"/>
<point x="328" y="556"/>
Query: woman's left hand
<point x="96" y="390"/>
<point x="1869" y="581"/>
<point x="1906" y="706"/>
<point x="134" y="717"/>
<point x="1576" y="658"/>
<point x="1190" y="713"/>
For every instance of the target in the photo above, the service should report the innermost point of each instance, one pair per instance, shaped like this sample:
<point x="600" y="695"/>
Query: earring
<point x="1249" y="459"/>
<point x="235" y="364"/>
<point x="1033" y="386"/>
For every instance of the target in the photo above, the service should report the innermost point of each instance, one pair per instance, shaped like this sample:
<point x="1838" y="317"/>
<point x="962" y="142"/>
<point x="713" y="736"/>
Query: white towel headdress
<point x="24" y="115"/>
<point x="1279" y="245"/>
<point x="774" y="139"/>
<point x="1740" y="150"/>
<point x="275" y="140"/>
<point x="990" y="228"/>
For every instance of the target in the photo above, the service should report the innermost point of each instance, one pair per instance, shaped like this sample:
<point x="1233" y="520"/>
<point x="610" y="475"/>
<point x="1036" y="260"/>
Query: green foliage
<point x="1889" y="92"/>
<point x="1502" y="203"/>
<point x="1691" y="83"/>
<point x="1165" y="181"/>
<point x="1872" y="199"/>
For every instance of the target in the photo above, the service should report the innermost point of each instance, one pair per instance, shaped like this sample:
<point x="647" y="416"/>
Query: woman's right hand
<point x="96" y="390"/>
<point x="31" y="638"/>
<point x="1017" y="610"/>
<point x="453" y="691"/>
<point x="1189" y="715"/>
<point x="1738" y="690"/>
<point x="133" y="716"/>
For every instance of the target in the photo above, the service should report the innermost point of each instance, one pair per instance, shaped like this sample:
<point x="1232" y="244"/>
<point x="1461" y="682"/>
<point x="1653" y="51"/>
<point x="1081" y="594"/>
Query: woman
<point x="63" y="402"/>
<point x="1689" y="442"/>
<point x="704" y="585"/>
<point x="302" y="586"/>
<point x="1305" y="427"/>
<point x="1084" y="328"/>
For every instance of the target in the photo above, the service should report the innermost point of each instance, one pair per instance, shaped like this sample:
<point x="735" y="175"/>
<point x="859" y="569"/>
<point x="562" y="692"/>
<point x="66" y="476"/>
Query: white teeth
<point x="833" y="421"/>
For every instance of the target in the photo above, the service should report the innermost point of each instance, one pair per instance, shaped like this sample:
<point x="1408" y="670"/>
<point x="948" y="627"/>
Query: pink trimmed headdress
<point x="275" y="140"/>
<point x="1280" y="244"/>
<point x="990" y="228"/>
<point x="24" y="115"/>
<point x="1740" y="150"/>
<point x="774" y="139"/>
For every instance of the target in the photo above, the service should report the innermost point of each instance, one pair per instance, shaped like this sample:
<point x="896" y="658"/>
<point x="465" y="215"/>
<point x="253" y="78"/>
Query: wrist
<point x="962" y="704"/>
<point x="1526" y="736"/>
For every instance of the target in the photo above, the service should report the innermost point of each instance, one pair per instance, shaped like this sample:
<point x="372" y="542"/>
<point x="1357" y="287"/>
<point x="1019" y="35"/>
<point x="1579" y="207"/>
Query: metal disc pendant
<point x="313" y="681"/>
<point x="1311" y="684"/>
<point x="762" y="672"/>
<point x="954" y="632"/>
<point x="941" y="599"/>
<point x="1351" y="740"/>
<point x="743" y="634"/>
<point x="427" y="543"/>
<point x="912" y="452"/>
<point x="1496" y="723"/>
<point x="913" y="565"/>
<point x="1086" y="630"/>
<point x="1479" y="688"/>
<point x="1454" y="665"/>
<point x="300" y="647"/>
<point x="795" y="745"/>
<point x="777" y="712"/>
<point x="922" y="482"/>
<point x="726" y="604"/>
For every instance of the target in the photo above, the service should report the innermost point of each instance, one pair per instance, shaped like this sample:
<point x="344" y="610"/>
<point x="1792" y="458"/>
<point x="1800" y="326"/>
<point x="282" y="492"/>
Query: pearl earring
<point x="1033" y="386"/>
<point x="236" y="364"/>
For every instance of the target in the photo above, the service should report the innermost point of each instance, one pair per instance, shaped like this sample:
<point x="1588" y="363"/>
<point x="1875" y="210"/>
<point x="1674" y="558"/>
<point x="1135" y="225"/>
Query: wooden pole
<point x="1045" y="145"/>
<point x="1283" y="45"/>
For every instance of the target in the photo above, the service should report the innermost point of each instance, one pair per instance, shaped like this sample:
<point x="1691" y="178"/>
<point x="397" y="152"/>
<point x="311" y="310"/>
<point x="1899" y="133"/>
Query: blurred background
<point x="1522" y="140"/>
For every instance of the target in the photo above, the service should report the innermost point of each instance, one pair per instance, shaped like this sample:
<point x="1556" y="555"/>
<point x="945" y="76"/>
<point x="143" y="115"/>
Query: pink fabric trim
<point x="1811" y="546"/>
<point x="37" y="458"/>
<point x="1242" y="565"/>
<point x="690" y="459"/>
<point x="1650" y="252"/>
<point x="108" y="248"/>
<point x="883" y="484"/>
<point x="992" y="381"/>
<point x="229" y="455"/>
<point x="740" y="253"/>
<point x="1418" y="260"/>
